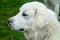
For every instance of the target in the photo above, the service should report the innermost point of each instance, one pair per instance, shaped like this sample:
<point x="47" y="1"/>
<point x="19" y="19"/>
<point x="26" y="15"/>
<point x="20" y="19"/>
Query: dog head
<point x="31" y="15"/>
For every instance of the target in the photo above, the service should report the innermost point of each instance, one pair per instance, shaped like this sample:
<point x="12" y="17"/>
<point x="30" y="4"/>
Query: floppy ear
<point x="41" y="19"/>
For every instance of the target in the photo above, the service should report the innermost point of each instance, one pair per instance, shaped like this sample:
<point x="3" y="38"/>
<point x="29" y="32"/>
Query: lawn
<point x="9" y="8"/>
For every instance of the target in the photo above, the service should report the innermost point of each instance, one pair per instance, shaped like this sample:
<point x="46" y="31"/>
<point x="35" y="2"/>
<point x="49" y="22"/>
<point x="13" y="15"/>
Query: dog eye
<point x="24" y="14"/>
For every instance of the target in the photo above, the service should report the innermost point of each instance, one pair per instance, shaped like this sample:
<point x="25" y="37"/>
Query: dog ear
<point x="41" y="19"/>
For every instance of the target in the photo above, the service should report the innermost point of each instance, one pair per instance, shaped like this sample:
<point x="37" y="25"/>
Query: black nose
<point x="21" y="29"/>
<point x="10" y="20"/>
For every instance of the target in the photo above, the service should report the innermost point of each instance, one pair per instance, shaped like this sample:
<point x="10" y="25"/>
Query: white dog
<point x="53" y="5"/>
<point x="37" y="22"/>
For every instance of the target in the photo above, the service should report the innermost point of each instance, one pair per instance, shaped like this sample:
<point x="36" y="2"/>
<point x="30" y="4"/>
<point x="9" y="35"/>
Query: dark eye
<point x="24" y="14"/>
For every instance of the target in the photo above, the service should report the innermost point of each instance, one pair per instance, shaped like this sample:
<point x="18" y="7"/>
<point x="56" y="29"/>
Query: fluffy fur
<point x="53" y="5"/>
<point x="38" y="22"/>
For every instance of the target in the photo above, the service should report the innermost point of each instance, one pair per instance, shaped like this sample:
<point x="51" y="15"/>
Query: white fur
<point x="40" y="24"/>
<point x="53" y="5"/>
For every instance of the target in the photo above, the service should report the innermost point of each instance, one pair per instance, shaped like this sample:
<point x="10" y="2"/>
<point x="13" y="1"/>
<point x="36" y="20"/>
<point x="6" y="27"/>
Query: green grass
<point x="9" y="8"/>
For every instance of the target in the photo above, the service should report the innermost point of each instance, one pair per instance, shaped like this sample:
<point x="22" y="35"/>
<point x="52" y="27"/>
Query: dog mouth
<point x="12" y="28"/>
<point x="19" y="29"/>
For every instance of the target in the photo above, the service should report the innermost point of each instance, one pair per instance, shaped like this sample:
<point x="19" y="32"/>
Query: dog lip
<point x="10" y="26"/>
<point x="22" y="29"/>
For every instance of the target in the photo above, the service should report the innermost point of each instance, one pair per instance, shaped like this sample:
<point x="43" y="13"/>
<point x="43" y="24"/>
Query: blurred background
<point x="9" y="8"/>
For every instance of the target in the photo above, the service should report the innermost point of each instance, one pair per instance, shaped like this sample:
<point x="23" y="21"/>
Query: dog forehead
<point x="32" y="5"/>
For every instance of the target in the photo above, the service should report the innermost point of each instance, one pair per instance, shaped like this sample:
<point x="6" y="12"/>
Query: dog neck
<point x="29" y="35"/>
<point x="42" y="34"/>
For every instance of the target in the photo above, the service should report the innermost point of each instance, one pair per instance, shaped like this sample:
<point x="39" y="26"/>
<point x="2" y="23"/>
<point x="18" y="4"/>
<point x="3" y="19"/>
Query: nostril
<point x="21" y="29"/>
<point x="10" y="20"/>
